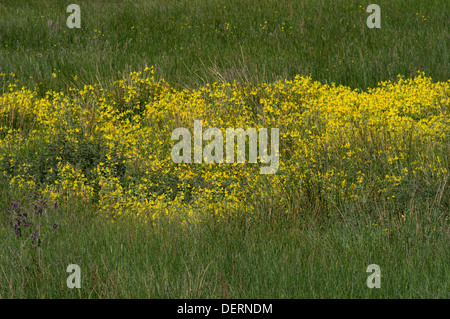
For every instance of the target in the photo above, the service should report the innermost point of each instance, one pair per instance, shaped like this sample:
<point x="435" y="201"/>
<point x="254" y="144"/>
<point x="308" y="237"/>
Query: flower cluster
<point x="112" y="146"/>
<point x="31" y="225"/>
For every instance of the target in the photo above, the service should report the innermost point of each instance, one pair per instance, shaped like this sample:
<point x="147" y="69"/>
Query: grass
<point x="191" y="43"/>
<point x="195" y="42"/>
<point x="272" y="258"/>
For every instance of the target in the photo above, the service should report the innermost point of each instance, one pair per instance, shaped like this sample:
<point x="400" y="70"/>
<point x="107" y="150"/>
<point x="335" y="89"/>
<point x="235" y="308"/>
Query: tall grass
<point x="195" y="42"/>
<point x="291" y="258"/>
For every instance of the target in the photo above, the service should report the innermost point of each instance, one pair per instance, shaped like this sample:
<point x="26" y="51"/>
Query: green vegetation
<point x="308" y="251"/>
<point x="269" y="258"/>
<point x="195" y="42"/>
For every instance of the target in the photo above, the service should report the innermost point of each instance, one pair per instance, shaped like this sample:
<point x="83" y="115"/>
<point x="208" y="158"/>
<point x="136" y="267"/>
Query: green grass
<point x="295" y="256"/>
<point x="194" y="42"/>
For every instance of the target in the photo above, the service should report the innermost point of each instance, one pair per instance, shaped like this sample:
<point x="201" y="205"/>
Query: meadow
<point x="86" y="174"/>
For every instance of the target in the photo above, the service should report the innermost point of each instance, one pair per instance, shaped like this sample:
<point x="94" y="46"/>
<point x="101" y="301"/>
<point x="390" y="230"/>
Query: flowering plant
<point x="31" y="227"/>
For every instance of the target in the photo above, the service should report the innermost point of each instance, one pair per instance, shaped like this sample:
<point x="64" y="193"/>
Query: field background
<point x="193" y="43"/>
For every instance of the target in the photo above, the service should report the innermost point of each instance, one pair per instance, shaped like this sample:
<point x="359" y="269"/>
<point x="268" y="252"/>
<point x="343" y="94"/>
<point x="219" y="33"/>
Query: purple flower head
<point x="54" y="225"/>
<point x="15" y="205"/>
<point x="56" y="206"/>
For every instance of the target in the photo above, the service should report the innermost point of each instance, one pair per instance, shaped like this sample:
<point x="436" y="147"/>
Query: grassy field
<point x="264" y="259"/>
<point x="86" y="177"/>
<point x="192" y="43"/>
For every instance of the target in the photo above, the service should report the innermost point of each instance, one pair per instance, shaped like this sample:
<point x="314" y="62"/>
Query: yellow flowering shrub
<point x="112" y="146"/>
